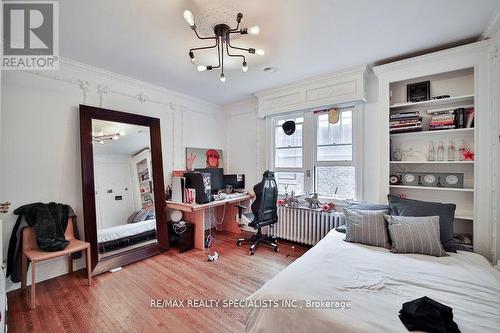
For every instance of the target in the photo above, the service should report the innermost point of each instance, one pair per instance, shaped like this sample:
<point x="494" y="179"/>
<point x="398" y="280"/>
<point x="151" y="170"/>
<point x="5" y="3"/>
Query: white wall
<point x="245" y="141"/>
<point x="496" y="87"/>
<point x="39" y="141"/>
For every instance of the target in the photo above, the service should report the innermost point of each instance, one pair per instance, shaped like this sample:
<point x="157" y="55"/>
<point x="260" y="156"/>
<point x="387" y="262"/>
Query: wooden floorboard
<point x="121" y="302"/>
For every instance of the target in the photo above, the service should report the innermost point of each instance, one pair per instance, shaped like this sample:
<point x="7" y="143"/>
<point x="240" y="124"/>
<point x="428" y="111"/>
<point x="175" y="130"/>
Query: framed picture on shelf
<point x="418" y="92"/>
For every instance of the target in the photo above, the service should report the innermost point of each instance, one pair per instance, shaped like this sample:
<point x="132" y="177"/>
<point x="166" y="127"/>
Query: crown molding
<point x="463" y="49"/>
<point x="333" y="89"/>
<point x="493" y="27"/>
<point x="130" y="80"/>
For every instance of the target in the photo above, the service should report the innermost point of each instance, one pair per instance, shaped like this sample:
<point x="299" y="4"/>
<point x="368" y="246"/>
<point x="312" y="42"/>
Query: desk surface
<point x="185" y="207"/>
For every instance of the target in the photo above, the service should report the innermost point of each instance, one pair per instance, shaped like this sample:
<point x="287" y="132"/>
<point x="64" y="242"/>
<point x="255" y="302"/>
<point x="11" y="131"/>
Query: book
<point x="469" y="115"/>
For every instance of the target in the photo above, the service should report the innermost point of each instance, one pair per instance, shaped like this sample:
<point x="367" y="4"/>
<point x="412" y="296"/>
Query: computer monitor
<point x="216" y="177"/>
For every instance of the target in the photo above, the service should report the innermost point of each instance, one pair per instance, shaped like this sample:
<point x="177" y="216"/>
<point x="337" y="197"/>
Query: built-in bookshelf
<point x="413" y="151"/>
<point x="463" y="73"/>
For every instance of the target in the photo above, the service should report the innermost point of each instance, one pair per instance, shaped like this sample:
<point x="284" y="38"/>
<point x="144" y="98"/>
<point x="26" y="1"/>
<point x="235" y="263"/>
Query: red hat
<point x="212" y="153"/>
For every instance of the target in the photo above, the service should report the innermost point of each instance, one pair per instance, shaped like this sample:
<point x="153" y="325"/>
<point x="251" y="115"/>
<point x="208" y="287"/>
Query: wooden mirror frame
<point x="87" y="113"/>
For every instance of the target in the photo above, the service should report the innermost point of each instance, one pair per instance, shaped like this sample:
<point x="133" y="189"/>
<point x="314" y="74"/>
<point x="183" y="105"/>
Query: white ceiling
<point x="149" y="40"/>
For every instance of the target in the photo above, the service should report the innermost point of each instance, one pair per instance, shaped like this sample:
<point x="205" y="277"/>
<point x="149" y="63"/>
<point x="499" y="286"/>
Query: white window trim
<point x="309" y="139"/>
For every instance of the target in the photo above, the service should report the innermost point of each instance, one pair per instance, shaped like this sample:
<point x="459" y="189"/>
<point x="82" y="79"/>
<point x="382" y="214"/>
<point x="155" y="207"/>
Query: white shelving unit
<point x="464" y="74"/>
<point x="460" y="83"/>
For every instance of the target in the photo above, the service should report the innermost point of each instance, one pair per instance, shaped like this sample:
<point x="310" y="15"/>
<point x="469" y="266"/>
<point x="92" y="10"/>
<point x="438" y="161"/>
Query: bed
<point x="377" y="283"/>
<point x="113" y="238"/>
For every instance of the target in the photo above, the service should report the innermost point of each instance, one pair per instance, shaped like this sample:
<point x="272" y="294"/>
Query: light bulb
<point x="122" y="133"/>
<point x="222" y="78"/>
<point x="101" y="142"/>
<point x="188" y="16"/>
<point x="193" y="60"/>
<point x="254" y="30"/>
<point x="115" y="137"/>
<point x="259" y="52"/>
<point x="201" y="68"/>
<point x="244" y="68"/>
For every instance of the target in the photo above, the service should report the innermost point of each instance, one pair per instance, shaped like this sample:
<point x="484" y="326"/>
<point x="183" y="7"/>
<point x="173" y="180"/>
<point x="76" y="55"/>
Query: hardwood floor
<point x="121" y="302"/>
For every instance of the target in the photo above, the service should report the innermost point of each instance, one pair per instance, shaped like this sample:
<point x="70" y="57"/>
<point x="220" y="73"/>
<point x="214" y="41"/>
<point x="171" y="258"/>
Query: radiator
<point x="305" y="225"/>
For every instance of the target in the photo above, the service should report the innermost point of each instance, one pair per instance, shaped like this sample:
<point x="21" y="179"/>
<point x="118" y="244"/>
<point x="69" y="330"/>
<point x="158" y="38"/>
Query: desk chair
<point x="264" y="212"/>
<point x="32" y="252"/>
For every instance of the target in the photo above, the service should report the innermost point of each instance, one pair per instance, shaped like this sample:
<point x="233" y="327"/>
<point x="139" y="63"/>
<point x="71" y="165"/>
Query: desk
<point x="199" y="213"/>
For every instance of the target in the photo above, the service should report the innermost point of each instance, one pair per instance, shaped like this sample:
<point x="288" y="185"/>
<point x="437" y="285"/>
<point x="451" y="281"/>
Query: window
<point x="334" y="171"/>
<point x="320" y="156"/>
<point x="288" y="156"/>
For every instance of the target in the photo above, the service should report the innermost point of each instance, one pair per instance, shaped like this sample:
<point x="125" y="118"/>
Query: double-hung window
<point x="321" y="156"/>
<point x="334" y="168"/>
<point x="288" y="157"/>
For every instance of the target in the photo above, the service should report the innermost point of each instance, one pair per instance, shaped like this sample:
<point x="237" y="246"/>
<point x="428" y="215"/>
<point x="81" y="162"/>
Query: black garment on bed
<point x="425" y="314"/>
<point x="49" y="222"/>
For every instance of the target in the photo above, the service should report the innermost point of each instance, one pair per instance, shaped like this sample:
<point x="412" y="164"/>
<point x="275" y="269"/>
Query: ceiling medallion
<point x="222" y="36"/>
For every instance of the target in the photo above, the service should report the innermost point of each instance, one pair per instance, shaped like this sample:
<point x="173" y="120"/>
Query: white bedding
<point x="112" y="233"/>
<point x="377" y="283"/>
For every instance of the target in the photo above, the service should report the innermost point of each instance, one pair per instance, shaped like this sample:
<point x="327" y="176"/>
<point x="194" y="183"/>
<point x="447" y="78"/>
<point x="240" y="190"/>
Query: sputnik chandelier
<point x="222" y="38"/>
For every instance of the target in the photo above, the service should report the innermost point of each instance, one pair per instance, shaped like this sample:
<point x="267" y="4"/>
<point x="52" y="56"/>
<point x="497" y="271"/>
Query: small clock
<point x="429" y="179"/>
<point x="394" y="180"/>
<point x="451" y="179"/>
<point x="409" y="178"/>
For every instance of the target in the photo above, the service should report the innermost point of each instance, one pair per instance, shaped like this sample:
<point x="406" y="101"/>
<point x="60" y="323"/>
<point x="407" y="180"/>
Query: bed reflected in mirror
<point x="124" y="200"/>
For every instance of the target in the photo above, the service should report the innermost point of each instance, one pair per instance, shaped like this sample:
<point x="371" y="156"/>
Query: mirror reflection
<point x="125" y="213"/>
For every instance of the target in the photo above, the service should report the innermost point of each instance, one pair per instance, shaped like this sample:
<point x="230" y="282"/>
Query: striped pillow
<point x="415" y="235"/>
<point x="366" y="227"/>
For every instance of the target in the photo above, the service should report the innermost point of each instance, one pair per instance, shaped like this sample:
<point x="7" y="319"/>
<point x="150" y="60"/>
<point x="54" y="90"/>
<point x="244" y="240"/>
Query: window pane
<point x="283" y="140"/>
<point x="288" y="158"/>
<point x="290" y="181"/>
<point x="331" y="179"/>
<point x="334" y="153"/>
<point x="334" y="140"/>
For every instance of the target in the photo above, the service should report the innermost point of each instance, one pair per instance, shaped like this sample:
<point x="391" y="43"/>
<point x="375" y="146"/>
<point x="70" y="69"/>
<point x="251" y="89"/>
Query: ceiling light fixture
<point x="100" y="137"/>
<point x="222" y="38"/>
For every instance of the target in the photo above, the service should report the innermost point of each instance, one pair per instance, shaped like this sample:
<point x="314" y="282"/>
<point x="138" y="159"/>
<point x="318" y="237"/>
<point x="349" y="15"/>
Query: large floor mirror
<point x="123" y="191"/>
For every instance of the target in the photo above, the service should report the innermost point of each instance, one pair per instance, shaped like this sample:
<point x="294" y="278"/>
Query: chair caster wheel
<point x="252" y="252"/>
<point x="276" y="249"/>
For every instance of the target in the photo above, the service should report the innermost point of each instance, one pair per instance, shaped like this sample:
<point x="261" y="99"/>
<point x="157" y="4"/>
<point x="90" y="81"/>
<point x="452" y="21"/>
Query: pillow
<point x="140" y="216"/>
<point x="446" y="213"/>
<point x="366" y="205"/>
<point x="132" y="217"/>
<point x="341" y="228"/>
<point x="366" y="227"/>
<point x="415" y="235"/>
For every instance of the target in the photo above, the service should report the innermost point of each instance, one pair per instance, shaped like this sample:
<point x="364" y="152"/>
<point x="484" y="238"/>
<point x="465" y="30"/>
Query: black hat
<point x="288" y="127"/>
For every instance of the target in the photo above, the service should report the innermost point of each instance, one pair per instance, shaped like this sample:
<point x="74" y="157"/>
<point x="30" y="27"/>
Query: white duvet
<point x="126" y="230"/>
<point x="377" y="283"/>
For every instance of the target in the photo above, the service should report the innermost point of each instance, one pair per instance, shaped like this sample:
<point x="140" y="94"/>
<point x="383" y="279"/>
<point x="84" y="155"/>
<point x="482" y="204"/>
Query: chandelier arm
<point x="222" y="58"/>
<point x="196" y="32"/>
<point x="234" y="55"/>
<point x="236" y="47"/>
<point x="218" y="54"/>
<point x="235" y="29"/>
<point x="202" y="48"/>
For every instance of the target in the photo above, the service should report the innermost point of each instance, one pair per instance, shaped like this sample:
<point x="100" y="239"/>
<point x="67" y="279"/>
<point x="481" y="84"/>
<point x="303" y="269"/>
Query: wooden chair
<point x="32" y="253"/>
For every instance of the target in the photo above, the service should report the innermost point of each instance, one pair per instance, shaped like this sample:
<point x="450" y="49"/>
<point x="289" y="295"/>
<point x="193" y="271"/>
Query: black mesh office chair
<point x="264" y="212"/>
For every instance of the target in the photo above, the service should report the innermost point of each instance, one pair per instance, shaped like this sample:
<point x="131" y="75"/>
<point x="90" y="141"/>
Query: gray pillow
<point x="341" y="228"/>
<point x="415" y="235"/>
<point x="366" y="227"/>
<point x="366" y="205"/>
<point x="446" y="213"/>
